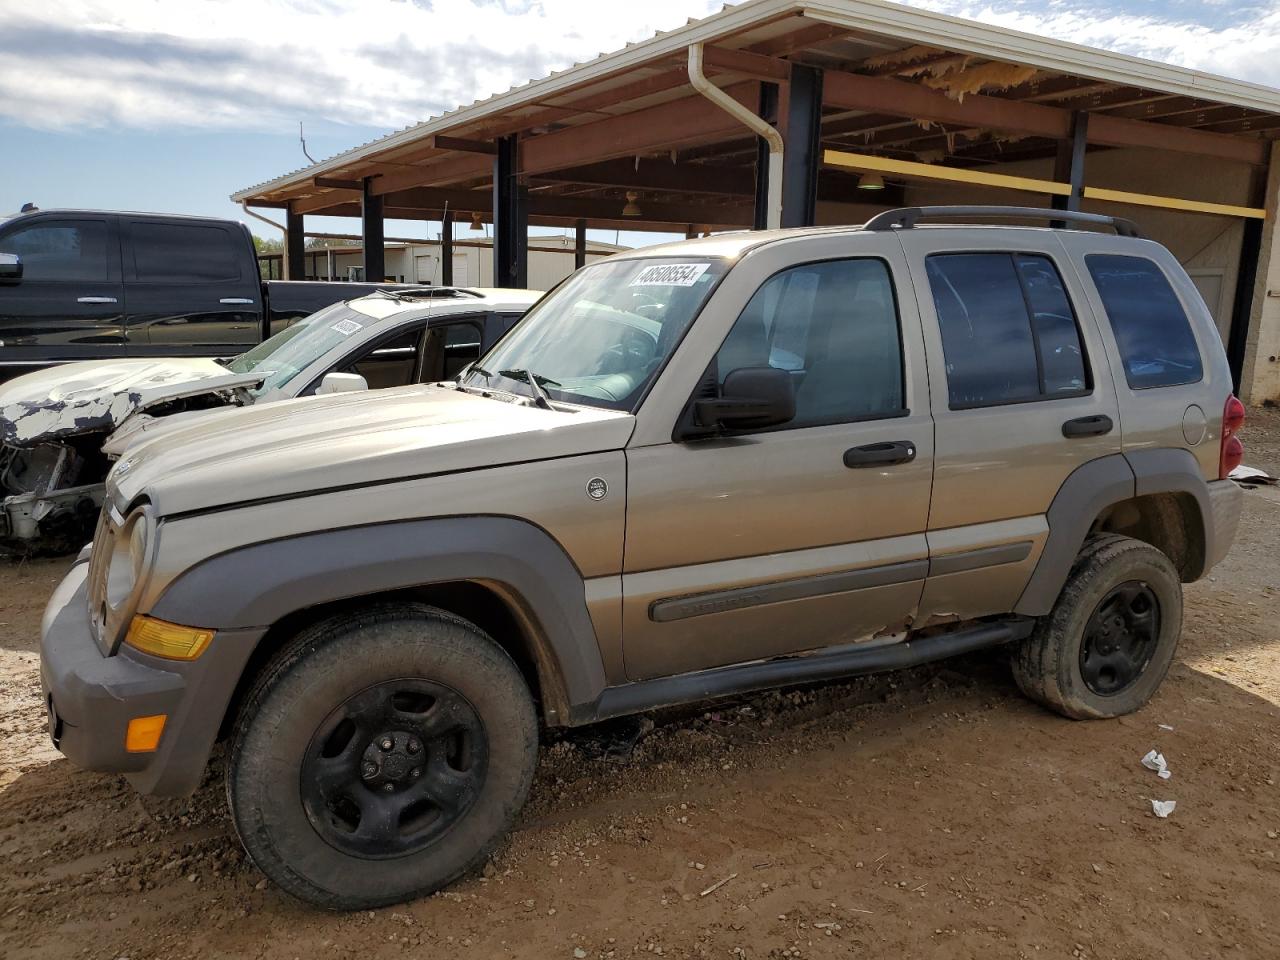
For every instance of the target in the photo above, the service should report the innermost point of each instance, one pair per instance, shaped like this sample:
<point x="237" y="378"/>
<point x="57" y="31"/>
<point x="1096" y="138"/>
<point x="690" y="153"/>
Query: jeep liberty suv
<point x="691" y="471"/>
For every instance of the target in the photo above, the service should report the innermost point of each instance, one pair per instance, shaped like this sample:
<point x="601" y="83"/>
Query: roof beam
<point x="463" y="145"/>
<point x="751" y="64"/>
<point x="659" y="174"/>
<point x="873" y="94"/>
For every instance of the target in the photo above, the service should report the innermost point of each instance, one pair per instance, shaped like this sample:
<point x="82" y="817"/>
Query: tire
<point x="310" y="812"/>
<point x="1072" y="666"/>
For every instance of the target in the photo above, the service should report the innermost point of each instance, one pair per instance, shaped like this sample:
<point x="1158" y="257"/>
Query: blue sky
<point x="171" y="105"/>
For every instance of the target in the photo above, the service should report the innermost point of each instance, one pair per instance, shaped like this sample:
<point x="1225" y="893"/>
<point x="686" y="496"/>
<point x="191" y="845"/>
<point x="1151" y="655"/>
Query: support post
<point x="510" y="218"/>
<point x="446" y="249"/>
<point x="294" y="245"/>
<point x="372" y="235"/>
<point x="769" y="113"/>
<point x="579" y="244"/>
<point x="1257" y="325"/>
<point x="804" y="147"/>
<point x="1068" y="167"/>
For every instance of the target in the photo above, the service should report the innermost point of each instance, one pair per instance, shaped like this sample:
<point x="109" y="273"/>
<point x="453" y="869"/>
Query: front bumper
<point x="91" y="698"/>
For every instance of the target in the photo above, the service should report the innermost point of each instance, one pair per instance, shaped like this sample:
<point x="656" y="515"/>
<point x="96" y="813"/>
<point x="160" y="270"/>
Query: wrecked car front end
<point x="54" y="423"/>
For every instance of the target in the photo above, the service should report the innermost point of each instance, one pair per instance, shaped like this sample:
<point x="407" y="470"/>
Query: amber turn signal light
<point x="169" y="640"/>
<point x="143" y="735"/>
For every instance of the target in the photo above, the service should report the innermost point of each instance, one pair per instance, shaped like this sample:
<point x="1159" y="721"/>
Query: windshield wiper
<point x="535" y="382"/>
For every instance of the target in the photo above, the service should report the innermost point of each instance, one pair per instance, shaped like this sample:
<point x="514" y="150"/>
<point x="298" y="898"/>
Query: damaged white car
<point x="61" y="427"/>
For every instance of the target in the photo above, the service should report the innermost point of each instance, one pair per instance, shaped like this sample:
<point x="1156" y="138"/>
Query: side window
<point x="61" y="250"/>
<point x="834" y="327"/>
<point x="389" y="364"/>
<point x="449" y="349"/>
<point x="1151" y="328"/>
<point x="182" y="253"/>
<point x="1009" y="333"/>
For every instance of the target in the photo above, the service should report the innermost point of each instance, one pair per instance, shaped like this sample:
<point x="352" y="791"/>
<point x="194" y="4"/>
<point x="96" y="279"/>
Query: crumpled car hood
<point x="98" y="395"/>
<point x="308" y="445"/>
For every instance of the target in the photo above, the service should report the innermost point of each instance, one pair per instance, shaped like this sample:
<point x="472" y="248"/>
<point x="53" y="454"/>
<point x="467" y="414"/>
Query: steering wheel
<point x="633" y="352"/>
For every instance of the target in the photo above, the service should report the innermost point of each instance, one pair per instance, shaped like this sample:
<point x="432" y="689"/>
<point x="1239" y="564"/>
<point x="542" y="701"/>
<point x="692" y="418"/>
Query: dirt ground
<point x="929" y="814"/>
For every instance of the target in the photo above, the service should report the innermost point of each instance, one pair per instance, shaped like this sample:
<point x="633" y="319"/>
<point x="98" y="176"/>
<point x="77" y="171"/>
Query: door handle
<point x="1094" y="426"/>
<point x="880" y="454"/>
<point x="242" y="301"/>
<point x="96" y="300"/>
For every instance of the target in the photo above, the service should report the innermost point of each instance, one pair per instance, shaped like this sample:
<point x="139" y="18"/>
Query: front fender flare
<point x="257" y="585"/>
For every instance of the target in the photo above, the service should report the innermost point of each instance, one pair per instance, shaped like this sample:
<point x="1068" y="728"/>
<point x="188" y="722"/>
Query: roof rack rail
<point x="907" y="217"/>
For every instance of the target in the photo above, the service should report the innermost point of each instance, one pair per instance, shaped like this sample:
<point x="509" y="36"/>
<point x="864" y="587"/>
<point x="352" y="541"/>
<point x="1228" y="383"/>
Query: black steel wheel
<point x="393" y="767"/>
<point x="380" y="755"/>
<point x="1120" y="638"/>
<point x="1106" y="645"/>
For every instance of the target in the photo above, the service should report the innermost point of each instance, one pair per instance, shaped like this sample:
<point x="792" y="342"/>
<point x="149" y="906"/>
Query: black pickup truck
<point x="82" y="284"/>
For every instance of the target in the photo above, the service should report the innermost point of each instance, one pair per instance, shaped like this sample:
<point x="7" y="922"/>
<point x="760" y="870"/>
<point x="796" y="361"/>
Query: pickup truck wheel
<point x="381" y="755"/>
<point x="1107" y="644"/>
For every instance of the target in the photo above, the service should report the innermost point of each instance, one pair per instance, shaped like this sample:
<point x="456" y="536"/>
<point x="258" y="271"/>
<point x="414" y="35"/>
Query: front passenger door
<point x="803" y="536"/>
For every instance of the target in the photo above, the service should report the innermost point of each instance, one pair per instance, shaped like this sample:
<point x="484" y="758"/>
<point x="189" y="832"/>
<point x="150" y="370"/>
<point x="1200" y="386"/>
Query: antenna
<point x="303" y="141"/>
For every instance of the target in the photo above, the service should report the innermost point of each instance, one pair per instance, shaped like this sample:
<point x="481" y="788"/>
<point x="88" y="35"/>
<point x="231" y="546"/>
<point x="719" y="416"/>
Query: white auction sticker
<point x="347" y="327"/>
<point x="670" y="275"/>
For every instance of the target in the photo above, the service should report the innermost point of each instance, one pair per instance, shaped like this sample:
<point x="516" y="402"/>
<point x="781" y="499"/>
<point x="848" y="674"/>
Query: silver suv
<point x="690" y="471"/>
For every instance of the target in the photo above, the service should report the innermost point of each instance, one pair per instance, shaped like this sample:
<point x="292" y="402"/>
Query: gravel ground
<point x="932" y="813"/>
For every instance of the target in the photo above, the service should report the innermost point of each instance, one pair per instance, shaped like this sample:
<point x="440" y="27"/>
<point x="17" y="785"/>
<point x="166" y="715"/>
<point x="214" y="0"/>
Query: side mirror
<point x="10" y="267"/>
<point x="752" y="397"/>
<point x="342" y="383"/>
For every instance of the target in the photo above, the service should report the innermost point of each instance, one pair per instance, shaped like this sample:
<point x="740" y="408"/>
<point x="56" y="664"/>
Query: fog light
<point x="169" y="640"/>
<point x="143" y="735"/>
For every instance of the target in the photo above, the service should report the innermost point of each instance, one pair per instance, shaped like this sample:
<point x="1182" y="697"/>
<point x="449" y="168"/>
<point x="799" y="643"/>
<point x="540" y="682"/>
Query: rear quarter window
<point x="1153" y="334"/>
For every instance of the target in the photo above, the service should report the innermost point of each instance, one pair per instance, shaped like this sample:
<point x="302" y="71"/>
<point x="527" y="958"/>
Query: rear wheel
<point x="1107" y="644"/>
<point x="380" y="756"/>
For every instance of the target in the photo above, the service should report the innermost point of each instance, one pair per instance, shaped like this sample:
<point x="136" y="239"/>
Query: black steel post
<point x="446" y="249"/>
<point x="768" y="112"/>
<point x="803" y="148"/>
<point x="579" y="244"/>
<point x="510" y="218"/>
<point x="1069" y="165"/>
<point x="294" y="245"/>
<point x="372" y="234"/>
<point x="1242" y="303"/>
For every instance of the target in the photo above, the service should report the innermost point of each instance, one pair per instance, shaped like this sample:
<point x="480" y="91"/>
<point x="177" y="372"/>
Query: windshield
<point x="601" y="337"/>
<point x="283" y="356"/>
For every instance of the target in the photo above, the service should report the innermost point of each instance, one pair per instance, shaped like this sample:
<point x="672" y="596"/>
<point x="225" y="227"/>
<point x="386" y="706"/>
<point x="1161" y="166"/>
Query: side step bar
<point x="842" y="662"/>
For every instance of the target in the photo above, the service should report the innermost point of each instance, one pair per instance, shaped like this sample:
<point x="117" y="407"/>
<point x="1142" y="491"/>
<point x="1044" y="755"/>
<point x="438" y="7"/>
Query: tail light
<point x="1232" y="450"/>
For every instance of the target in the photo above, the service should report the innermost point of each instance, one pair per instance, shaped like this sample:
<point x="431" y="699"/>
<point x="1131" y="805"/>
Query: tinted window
<point x="1009" y="334"/>
<point x="1151" y="328"/>
<point x="63" y="250"/>
<point x="183" y="253"/>
<point x="834" y="326"/>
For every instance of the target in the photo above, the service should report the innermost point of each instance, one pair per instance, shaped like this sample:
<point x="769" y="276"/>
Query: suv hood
<point x="312" y="444"/>
<point x="98" y="395"/>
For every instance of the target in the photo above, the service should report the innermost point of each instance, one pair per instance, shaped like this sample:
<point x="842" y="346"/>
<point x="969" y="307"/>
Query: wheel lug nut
<point x="415" y="773"/>
<point x="370" y="770"/>
<point x="412" y="746"/>
<point x="387" y="743"/>
<point x="388" y="787"/>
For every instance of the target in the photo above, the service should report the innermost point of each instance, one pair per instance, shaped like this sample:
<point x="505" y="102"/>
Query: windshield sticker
<point x="347" y="327"/>
<point x="670" y="275"/>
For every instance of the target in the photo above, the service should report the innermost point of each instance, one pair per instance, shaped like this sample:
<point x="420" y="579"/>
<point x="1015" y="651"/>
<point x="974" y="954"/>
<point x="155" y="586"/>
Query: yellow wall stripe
<point x="929" y="171"/>
<point x="1173" y="203"/>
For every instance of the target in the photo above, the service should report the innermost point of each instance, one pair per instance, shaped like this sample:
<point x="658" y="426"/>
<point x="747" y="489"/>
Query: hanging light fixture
<point x="632" y="209"/>
<point x="871" y="181"/>
<point x="477" y="225"/>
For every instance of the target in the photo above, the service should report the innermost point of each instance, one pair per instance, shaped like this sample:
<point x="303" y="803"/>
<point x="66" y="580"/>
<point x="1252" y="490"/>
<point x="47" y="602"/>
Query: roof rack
<point x="907" y="217"/>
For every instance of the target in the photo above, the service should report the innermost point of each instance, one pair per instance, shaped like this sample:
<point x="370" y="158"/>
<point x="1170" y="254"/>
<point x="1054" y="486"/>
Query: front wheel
<point x="380" y="756"/>
<point x="1107" y="644"/>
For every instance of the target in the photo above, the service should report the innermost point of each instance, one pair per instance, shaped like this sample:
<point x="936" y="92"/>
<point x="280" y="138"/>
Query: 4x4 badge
<point x="597" y="489"/>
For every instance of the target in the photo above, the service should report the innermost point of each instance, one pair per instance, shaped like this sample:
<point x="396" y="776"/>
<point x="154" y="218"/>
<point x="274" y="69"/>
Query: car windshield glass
<point x="602" y="336"/>
<point x="292" y="350"/>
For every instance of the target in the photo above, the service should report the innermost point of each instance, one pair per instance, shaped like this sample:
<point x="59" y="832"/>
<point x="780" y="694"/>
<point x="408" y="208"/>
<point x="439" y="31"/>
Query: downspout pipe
<point x="244" y="205"/>
<point x="758" y="125"/>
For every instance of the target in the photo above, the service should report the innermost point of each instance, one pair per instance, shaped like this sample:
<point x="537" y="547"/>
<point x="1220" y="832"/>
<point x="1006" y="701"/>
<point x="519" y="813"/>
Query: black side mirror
<point x="10" y="267"/>
<point x="752" y="398"/>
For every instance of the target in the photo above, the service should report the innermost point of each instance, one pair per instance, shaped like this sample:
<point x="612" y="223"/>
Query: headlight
<point x="130" y="553"/>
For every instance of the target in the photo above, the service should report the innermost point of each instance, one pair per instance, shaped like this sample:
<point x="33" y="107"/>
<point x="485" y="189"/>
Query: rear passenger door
<point x="1022" y="396"/>
<point x="188" y="289"/>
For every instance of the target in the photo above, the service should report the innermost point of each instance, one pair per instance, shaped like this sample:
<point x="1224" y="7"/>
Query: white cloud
<point x="265" y="64"/>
